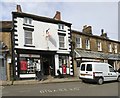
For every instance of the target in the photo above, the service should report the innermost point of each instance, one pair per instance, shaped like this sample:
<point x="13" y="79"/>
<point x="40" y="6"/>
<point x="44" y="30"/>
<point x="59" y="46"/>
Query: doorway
<point x="48" y="64"/>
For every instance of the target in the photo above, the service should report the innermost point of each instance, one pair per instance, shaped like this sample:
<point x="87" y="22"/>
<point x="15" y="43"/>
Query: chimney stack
<point x="87" y="29"/>
<point x="103" y="34"/>
<point x="19" y="9"/>
<point x="57" y="15"/>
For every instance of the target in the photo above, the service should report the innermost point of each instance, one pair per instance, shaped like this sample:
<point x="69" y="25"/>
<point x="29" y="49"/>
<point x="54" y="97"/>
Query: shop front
<point x="27" y="60"/>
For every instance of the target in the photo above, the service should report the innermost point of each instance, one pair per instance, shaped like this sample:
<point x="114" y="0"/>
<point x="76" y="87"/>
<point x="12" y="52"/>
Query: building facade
<point x="88" y="47"/>
<point x="5" y="50"/>
<point x="41" y="38"/>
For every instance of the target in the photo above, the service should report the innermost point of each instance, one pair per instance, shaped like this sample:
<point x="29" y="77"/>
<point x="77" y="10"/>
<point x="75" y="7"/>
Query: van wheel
<point x="118" y="79"/>
<point x="100" y="81"/>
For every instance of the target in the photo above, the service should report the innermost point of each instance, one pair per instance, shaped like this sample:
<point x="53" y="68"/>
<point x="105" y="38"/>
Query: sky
<point x="100" y="14"/>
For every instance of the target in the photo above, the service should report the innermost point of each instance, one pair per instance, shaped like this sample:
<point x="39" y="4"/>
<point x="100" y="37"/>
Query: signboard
<point x="29" y="55"/>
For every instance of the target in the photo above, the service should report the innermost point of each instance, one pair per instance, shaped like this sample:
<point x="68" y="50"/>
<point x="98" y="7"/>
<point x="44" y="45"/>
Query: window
<point x="99" y="45"/>
<point x="111" y="69"/>
<point x="115" y="47"/>
<point x="110" y="47"/>
<point x="83" y="67"/>
<point x="78" y="42"/>
<point x="1" y="62"/>
<point x="89" y="67"/>
<point x="28" y="37"/>
<point x="28" y="65"/>
<point x="87" y="42"/>
<point x="63" y="60"/>
<point x="27" y="20"/>
<point x="62" y="41"/>
<point x="60" y="26"/>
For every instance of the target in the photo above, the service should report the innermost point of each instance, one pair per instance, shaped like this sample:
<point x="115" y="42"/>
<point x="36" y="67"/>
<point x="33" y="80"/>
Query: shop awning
<point x="96" y="55"/>
<point x="114" y="56"/>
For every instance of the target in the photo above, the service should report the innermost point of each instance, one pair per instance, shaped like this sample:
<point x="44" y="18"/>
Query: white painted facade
<point x="41" y="42"/>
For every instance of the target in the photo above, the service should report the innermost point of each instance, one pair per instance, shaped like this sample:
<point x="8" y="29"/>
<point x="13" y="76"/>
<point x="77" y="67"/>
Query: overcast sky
<point x="100" y="14"/>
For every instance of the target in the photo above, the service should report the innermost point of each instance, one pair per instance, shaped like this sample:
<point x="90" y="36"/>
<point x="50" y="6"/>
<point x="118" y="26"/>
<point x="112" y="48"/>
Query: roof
<point x="5" y="25"/>
<point x="95" y="36"/>
<point x="96" y="55"/>
<point x="40" y="18"/>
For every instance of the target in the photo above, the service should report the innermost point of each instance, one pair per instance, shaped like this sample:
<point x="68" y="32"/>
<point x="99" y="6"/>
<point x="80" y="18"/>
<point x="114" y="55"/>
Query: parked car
<point x="98" y="72"/>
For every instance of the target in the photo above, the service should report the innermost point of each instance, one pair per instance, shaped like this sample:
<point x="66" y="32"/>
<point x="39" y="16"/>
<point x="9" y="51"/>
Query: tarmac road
<point x="62" y="89"/>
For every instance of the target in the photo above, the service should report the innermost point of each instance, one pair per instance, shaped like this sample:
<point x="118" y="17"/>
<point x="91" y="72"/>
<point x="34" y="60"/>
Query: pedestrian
<point x="38" y="71"/>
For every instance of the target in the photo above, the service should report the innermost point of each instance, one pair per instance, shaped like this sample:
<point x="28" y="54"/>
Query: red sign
<point x="64" y="69"/>
<point x="23" y="65"/>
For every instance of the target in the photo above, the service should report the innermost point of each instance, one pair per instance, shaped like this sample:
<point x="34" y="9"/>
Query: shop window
<point x="63" y="60"/>
<point x="78" y="42"/>
<point x="28" y="38"/>
<point x="27" y="65"/>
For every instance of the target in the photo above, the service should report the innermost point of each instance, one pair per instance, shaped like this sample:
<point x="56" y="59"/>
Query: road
<point x="62" y="89"/>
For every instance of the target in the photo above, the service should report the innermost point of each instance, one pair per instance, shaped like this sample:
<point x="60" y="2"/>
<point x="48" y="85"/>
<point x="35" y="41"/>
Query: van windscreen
<point x="89" y="67"/>
<point x="83" y="67"/>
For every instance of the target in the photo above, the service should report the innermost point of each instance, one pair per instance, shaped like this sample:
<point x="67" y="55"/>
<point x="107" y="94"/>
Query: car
<point x="98" y="72"/>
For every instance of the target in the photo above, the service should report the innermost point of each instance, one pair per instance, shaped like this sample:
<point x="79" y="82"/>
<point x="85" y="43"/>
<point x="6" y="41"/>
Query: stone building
<point x="88" y="47"/>
<point x="5" y="50"/>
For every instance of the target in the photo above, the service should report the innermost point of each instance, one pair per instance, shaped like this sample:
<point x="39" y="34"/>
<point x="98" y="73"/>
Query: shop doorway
<point x="48" y="64"/>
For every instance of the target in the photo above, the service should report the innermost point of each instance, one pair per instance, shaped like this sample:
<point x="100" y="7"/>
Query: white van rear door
<point x="89" y="71"/>
<point x="82" y="70"/>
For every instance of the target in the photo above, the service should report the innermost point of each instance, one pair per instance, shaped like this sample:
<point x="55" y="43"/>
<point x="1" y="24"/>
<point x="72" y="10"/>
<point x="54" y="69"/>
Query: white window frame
<point x="87" y="43"/>
<point x="99" y="45"/>
<point x="29" y="38"/>
<point x="27" y="21"/>
<point x="61" y="26"/>
<point x="110" y="47"/>
<point x="62" y="42"/>
<point x="78" y="42"/>
<point x="115" y="48"/>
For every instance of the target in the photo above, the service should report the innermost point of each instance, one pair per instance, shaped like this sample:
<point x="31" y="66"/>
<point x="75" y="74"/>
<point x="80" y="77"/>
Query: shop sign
<point x="90" y="60"/>
<point x="9" y="60"/>
<point x="29" y="55"/>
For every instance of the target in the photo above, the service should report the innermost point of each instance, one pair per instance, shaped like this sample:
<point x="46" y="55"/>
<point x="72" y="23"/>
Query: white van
<point x="98" y="72"/>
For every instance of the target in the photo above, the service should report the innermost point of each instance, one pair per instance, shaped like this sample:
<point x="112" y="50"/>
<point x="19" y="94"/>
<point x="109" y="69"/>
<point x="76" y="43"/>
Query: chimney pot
<point x="19" y="9"/>
<point x="102" y="31"/>
<point x="57" y="15"/>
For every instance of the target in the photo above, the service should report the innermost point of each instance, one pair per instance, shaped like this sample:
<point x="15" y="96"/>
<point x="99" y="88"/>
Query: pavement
<point x="34" y="81"/>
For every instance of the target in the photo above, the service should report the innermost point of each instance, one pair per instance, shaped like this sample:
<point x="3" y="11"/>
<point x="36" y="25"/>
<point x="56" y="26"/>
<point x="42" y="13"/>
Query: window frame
<point x="28" y="38"/>
<point x="87" y="43"/>
<point x="99" y="46"/>
<point x="82" y="67"/>
<point x="115" y="48"/>
<point x="110" y="47"/>
<point x="78" y="44"/>
<point x="61" y="27"/>
<point x="111" y="68"/>
<point x="88" y="66"/>
<point x="62" y="42"/>
<point x="28" y="21"/>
